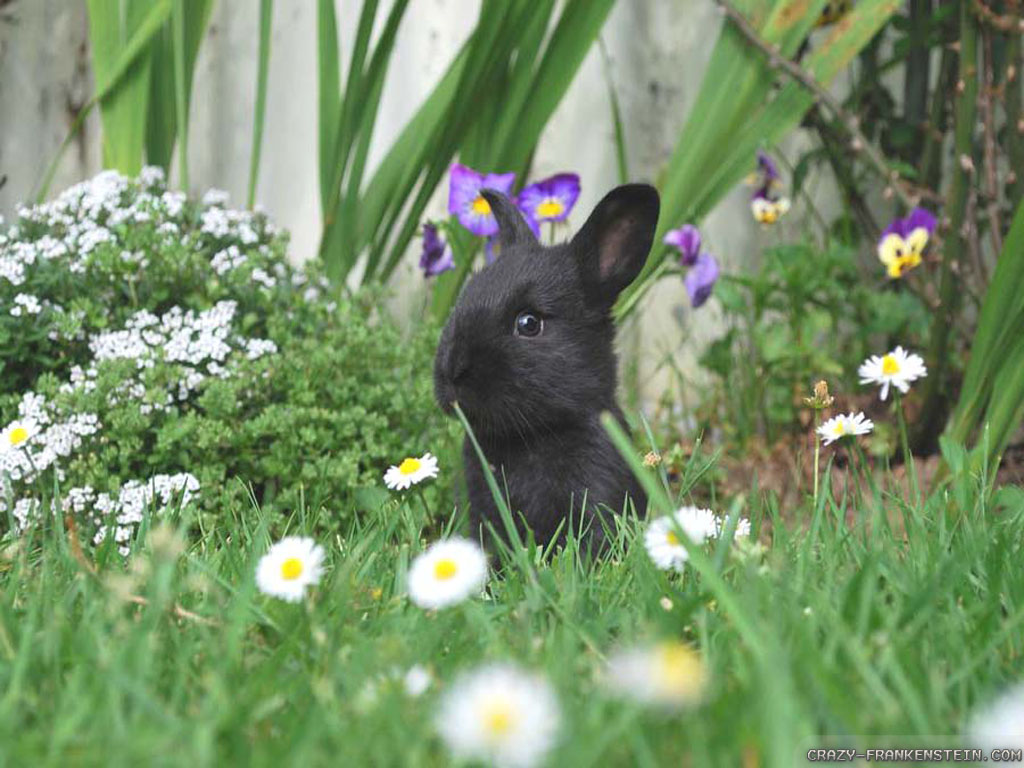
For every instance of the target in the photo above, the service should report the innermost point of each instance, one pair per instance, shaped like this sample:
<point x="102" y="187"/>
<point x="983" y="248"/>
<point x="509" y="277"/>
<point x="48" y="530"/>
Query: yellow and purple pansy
<point x="549" y="199"/>
<point x="766" y="204"/>
<point x="703" y="269"/>
<point x="469" y="206"/>
<point x="903" y="242"/>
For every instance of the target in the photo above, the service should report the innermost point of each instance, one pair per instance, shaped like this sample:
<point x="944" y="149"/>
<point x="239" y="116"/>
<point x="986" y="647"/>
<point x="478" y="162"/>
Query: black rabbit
<point x="527" y="353"/>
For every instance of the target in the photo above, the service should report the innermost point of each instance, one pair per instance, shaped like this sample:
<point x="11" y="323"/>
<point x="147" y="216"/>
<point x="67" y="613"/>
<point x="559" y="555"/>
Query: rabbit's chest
<point x="549" y="482"/>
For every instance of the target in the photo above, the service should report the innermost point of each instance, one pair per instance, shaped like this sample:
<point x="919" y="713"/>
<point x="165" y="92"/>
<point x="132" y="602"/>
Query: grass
<point x="867" y="615"/>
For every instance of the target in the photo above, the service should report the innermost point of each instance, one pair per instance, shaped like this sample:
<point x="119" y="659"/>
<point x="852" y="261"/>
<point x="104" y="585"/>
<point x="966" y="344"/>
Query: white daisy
<point x="662" y="538"/>
<point x="500" y="715"/>
<point x="291" y="565"/>
<point x="410" y="472"/>
<point x="844" y="426"/>
<point x="448" y="572"/>
<point x="17" y="433"/>
<point x="897" y="368"/>
<point x="1000" y="725"/>
<point x="668" y="674"/>
<point x="416" y="680"/>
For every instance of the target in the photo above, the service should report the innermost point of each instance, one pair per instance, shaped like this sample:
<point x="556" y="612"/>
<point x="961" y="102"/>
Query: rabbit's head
<point x="528" y="346"/>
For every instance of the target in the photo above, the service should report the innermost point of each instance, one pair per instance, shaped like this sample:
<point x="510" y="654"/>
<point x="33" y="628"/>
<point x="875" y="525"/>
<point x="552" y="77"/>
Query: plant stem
<point x="817" y="454"/>
<point x="943" y="319"/>
<point x="908" y="458"/>
<point x="1014" y="117"/>
<point x="915" y="85"/>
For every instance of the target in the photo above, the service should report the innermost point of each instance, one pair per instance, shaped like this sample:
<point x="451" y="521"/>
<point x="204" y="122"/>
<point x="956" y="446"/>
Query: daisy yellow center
<point x="409" y="466"/>
<point x="838" y="429"/>
<point x="550" y="208"/>
<point x="890" y="366"/>
<point x="481" y="206"/>
<point x="498" y="719"/>
<point x="445" y="569"/>
<point x="18" y="435"/>
<point x="672" y="539"/>
<point x="291" y="569"/>
<point x="680" y="670"/>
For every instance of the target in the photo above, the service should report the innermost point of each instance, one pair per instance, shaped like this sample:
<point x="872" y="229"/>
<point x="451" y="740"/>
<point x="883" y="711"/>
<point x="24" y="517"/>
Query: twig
<point x="79" y="555"/>
<point x="1012" y="108"/>
<point x="987" y="107"/>
<point x="936" y="392"/>
<point x="1003" y="22"/>
<point x="859" y="142"/>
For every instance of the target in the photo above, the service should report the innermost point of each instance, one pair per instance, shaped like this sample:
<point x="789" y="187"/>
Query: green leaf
<point x="266" y="20"/>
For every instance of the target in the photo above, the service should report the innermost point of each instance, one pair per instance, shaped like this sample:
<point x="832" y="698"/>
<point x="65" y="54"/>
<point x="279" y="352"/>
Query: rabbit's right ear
<point x="613" y="244"/>
<point x="512" y="227"/>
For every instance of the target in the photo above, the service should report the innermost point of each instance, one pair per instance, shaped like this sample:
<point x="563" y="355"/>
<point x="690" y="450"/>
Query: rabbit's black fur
<point x="535" y="402"/>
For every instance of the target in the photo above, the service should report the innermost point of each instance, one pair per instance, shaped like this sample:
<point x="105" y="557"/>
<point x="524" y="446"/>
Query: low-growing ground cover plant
<point x="155" y="347"/>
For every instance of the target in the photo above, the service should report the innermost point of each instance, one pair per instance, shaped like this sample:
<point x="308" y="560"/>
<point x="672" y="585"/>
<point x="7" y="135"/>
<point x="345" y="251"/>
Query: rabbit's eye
<point x="528" y="324"/>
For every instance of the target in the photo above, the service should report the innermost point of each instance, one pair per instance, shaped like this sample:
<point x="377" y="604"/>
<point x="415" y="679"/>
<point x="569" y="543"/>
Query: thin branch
<point x="90" y="567"/>
<point x="1003" y="22"/>
<point x="987" y="108"/>
<point x="859" y="142"/>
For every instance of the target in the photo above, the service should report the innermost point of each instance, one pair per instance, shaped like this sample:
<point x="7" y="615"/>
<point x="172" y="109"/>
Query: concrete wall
<point x="658" y="49"/>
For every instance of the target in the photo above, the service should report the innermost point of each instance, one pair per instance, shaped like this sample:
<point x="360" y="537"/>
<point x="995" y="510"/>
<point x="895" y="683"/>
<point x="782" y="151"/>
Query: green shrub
<point x="155" y="346"/>
<point x="808" y="313"/>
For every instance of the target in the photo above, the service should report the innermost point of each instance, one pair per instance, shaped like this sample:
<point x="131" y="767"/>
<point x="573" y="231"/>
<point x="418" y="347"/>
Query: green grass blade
<point x="329" y="96"/>
<point x="112" y="71"/>
<point x="118" y="33"/>
<point x="991" y="386"/>
<point x="181" y="86"/>
<point x="621" y="153"/>
<point x="266" y="20"/>
<point x="172" y="69"/>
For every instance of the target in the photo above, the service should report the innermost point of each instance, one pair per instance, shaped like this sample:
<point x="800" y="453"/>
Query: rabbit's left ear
<point x="512" y="227"/>
<point x="613" y="244"/>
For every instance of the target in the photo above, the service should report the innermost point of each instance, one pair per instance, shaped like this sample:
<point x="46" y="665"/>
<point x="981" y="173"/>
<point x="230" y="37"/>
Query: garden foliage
<point x="152" y="336"/>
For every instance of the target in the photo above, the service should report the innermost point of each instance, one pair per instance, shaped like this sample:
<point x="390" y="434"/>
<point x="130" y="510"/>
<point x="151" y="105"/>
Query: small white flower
<point x="448" y="572"/>
<point x="846" y="425"/>
<point x="662" y="538"/>
<point x="410" y="472"/>
<point x="416" y="681"/>
<point x="1000" y="725"/>
<point x="897" y="368"/>
<point x="669" y="674"/>
<point x="291" y="565"/>
<point x="500" y="715"/>
<point x="17" y="433"/>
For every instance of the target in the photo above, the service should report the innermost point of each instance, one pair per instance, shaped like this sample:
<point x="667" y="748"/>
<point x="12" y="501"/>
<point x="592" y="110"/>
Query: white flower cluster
<point x="91" y="214"/>
<point x="49" y="440"/>
<point x="120" y="515"/>
<point x="26" y="303"/>
<point x="198" y="342"/>
<point x="228" y="259"/>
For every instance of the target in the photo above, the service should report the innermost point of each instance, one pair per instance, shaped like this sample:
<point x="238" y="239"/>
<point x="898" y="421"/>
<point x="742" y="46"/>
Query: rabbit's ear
<point x="613" y="245"/>
<point x="512" y="227"/>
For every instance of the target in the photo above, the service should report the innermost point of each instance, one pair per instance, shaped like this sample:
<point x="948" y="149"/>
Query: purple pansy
<point x="919" y="218"/>
<point x="466" y="202"/>
<point x="902" y="244"/>
<point x="437" y="256"/>
<point x="687" y="240"/>
<point x="767" y="168"/>
<point x="701" y="279"/>
<point x="550" y="199"/>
